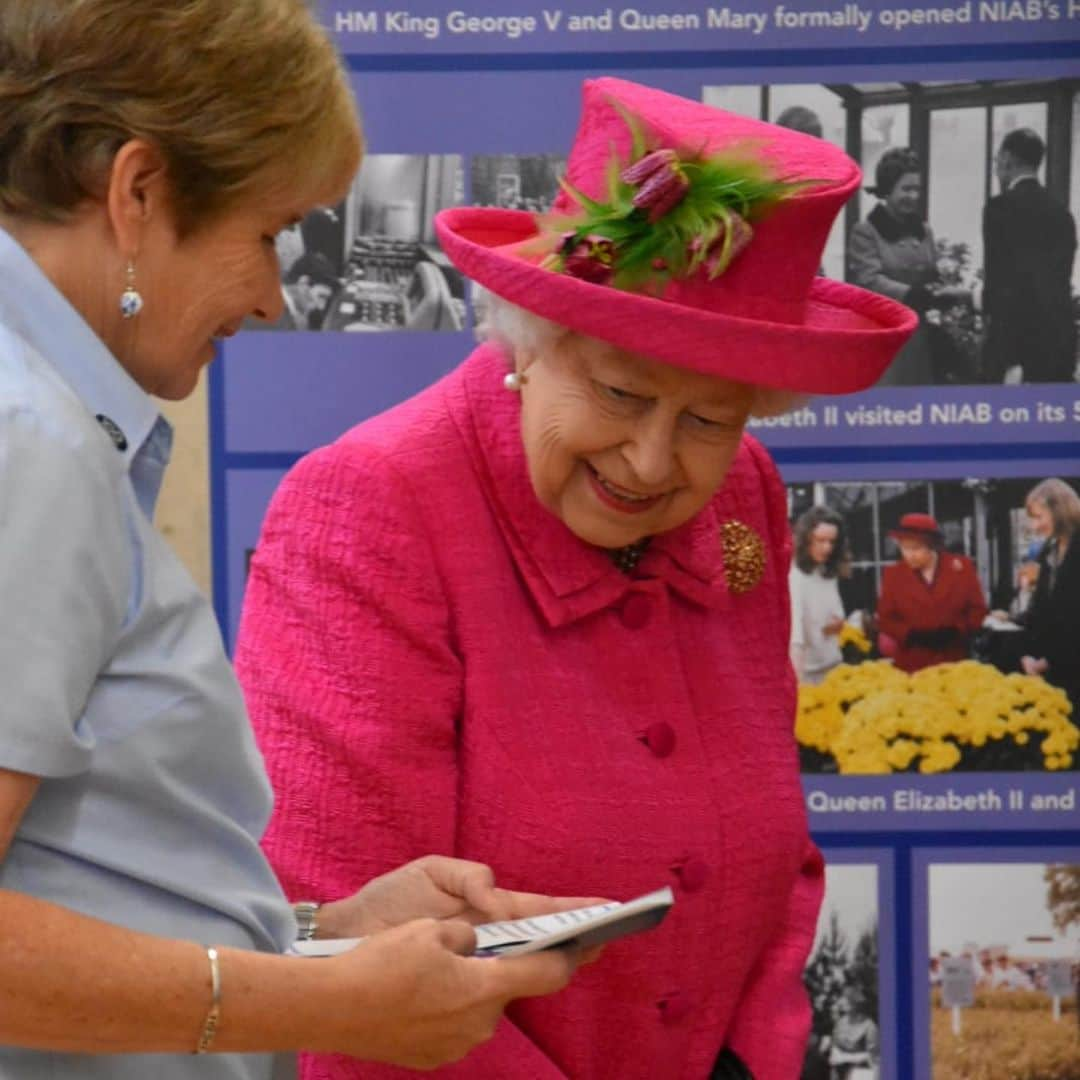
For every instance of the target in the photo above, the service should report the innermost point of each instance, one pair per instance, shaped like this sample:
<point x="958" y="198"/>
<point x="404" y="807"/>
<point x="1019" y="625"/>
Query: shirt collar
<point x="36" y="310"/>
<point x="568" y="578"/>
<point x="1023" y="177"/>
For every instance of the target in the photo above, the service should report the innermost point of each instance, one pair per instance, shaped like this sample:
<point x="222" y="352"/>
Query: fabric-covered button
<point x="659" y="738"/>
<point x="674" y="1007"/>
<point x="636" y="611"/>
<point x="692" y="874"/>
<point x="112" y="428"/>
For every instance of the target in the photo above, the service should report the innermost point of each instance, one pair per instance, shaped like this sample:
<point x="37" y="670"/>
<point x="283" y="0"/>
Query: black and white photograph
<point x="936" y="624"/>
<point x="967" y="214"/>
<point x="516" y="181"/>
<point x="527" y="182"/>
<point x="1003" y="974"/>
<point x="842" y="978"/>
<point x="372" y="262"/>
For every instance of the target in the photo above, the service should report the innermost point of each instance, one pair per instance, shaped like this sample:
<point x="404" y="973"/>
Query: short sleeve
<point x="65" y="559"/>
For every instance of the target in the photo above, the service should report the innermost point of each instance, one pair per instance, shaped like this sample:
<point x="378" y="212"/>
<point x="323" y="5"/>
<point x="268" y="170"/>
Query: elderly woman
<point x="893" y="253"/>
<point x="1052" y="620"/>
<point x="149" y="152"/>
<point x="817" y="612"/>
<point x="538" y="614"/>
<point x="931" y="601"/>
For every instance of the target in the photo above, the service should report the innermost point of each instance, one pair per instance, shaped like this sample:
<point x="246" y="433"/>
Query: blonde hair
<point x="1063" y="503"/>
<point x="513" y="328"/>
<point x="239" y="96"/>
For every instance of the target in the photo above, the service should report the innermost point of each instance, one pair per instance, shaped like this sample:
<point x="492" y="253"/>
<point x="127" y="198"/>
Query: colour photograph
<point x="936" y="625"/>
<point x="1002" y="969"/>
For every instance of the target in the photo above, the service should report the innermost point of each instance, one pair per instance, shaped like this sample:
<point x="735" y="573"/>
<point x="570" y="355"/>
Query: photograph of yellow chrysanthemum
<point x="936" y="625"/>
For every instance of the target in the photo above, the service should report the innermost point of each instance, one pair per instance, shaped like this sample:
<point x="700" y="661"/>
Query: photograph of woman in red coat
<point x="931" y="602"/>
<point x="537" y="615"/>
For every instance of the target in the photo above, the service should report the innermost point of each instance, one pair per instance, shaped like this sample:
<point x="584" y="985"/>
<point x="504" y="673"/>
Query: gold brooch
<point x="744" y="556"/>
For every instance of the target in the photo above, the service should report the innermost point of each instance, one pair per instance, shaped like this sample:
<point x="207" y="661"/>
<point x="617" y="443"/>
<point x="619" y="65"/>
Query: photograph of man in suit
<point x="1029" y="240"/>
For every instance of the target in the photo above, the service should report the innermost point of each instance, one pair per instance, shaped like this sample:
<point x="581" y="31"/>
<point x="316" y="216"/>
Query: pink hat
<point x="737" y="294"/>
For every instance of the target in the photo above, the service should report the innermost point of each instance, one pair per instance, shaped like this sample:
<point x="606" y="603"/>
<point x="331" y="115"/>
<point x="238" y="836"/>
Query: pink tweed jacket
<point x="434" y="663"/>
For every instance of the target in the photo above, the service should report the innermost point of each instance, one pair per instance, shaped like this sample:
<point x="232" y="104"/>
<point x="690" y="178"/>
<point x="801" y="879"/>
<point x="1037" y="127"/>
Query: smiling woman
<point x="894" y="253"/>
<point x="604" y="429"/>
<point x="165" y="194"/>
<point x="538" y="614"/>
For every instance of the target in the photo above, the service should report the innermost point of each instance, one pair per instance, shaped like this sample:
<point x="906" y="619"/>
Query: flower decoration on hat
<point x="668" y="214"/>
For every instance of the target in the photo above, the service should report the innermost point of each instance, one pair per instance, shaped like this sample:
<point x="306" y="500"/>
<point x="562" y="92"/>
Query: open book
<point x="580" y="927"/>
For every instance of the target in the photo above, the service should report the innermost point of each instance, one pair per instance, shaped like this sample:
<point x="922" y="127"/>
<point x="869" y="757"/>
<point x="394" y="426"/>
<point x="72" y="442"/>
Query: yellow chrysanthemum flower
<point x="852" y="635"/>
<point x="874" y="718"/>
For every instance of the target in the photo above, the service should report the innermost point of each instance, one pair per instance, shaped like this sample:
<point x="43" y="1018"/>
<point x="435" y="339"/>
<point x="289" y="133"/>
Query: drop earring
<point x="131" y="301"/>
<point x="514" y="381"/>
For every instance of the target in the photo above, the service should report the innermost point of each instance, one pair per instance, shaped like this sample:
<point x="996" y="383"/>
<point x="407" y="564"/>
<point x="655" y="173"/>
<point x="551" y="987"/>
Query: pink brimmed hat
<point x="741" y="298"/>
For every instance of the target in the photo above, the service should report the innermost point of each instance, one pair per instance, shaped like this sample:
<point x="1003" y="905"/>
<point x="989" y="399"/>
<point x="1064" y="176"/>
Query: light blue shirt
<point x="114" y="684"/>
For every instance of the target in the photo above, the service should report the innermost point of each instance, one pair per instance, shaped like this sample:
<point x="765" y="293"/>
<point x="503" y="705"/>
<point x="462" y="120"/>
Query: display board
<point x="927" y="809"/>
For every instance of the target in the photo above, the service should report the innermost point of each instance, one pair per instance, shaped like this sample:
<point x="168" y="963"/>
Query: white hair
<point x="516" y="329"/>
<point x="512" y="327"/>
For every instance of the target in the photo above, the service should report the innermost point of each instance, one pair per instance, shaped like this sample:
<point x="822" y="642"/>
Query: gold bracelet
<point x="213" y="1016"/>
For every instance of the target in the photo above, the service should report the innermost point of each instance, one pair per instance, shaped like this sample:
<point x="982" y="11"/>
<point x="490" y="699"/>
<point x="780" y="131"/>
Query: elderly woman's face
<point x="918" y="554"/>
<point x="621" y="447"/>
<point x="903" y="200"/>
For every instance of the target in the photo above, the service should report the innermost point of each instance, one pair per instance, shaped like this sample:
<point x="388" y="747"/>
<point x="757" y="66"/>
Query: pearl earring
<point x="131" y="301"/>
<point x="514" y="381"/>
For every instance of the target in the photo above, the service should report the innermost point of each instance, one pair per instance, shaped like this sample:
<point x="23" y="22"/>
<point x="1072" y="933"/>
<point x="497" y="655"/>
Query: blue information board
<point x="477" y="105"/>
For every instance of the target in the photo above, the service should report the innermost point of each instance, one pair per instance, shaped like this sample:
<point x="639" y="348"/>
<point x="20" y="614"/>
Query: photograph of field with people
<point x="1003" y="975"/>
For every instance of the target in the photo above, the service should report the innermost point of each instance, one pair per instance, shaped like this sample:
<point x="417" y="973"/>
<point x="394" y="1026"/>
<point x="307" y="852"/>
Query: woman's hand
<point x="952" y="293"/>
<point x="848" y="1057"/>
<point x="413" y="996"/>
<point x="435" y="887"/>
<point x="833" y="626"/>
<point x="1034" y="665"/>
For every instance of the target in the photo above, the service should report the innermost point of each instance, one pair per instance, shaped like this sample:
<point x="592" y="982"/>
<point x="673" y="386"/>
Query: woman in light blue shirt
<point x="149" y="153"/>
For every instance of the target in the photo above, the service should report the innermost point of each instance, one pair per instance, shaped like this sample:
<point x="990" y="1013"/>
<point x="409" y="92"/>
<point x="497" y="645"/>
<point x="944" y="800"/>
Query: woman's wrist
<point x="308" y="919"/>
<point x="316" y="920"/>
<point x="342" y="919"/>
<point x="918" y="297"/>
<point x="213" y="1012"/>
<point x="277" y="1004"/>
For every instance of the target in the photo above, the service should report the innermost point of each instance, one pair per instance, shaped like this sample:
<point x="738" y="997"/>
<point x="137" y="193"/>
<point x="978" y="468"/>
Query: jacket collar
<point x="893" y="228"/>
<point x="568" y="578"/>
